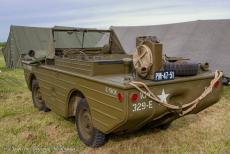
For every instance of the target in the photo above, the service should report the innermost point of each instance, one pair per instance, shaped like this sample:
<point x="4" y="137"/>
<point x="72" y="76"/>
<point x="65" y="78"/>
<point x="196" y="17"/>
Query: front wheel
<point x="86" y="132"/>
<point x="38" y="102"/>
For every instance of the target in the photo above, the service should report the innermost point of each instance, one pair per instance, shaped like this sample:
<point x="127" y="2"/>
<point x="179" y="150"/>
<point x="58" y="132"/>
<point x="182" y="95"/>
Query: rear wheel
<point x="87" y="133"/>
<point x="38" y="102"/>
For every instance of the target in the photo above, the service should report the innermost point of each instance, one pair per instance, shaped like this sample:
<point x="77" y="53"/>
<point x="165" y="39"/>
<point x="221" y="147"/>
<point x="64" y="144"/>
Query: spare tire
<point x="226" y="81"/>
<point x="182" y="68"/>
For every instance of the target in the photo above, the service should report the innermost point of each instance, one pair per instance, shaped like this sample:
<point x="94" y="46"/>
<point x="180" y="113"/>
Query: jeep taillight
<point x="119" y="97"/>
<point x="134" y="97"/>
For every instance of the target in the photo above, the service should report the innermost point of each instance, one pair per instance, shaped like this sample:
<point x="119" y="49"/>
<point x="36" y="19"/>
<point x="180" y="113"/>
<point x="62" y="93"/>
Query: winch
<point x="147" y="57"/>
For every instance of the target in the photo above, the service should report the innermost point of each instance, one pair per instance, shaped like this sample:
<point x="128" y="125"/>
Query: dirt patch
<point x="26" y="135"/>
<point x="52" y="132"/>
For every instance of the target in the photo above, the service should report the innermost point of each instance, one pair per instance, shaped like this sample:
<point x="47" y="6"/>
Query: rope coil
<point x="190" y="106"/>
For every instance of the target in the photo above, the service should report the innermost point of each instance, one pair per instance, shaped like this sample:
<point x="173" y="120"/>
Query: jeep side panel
<point x="56" y="87"/>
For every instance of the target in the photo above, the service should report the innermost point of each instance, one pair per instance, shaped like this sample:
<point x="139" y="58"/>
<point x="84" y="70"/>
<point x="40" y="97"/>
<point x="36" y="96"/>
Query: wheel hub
<point x="86" y="124"/>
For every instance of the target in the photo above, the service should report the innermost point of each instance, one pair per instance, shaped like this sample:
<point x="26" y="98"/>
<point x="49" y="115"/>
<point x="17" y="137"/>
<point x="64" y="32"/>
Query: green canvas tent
<point x="22" y="39"/>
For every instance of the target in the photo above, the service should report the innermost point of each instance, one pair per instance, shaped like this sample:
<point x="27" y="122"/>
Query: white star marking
<point x="163" y="96"/>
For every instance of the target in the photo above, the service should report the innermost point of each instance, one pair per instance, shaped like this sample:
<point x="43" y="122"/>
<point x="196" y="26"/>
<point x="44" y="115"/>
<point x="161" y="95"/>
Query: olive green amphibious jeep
<point x="108" y="91"/>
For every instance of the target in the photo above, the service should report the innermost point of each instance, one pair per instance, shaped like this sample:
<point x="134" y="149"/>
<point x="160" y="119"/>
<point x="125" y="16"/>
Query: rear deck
<point x="109" y="69"/>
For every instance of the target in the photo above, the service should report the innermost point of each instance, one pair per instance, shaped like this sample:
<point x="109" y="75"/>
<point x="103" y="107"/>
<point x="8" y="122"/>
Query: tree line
<point x="2" y="44"/>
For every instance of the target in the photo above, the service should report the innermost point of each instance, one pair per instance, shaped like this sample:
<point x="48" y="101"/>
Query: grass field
<point x="25" y="130"/>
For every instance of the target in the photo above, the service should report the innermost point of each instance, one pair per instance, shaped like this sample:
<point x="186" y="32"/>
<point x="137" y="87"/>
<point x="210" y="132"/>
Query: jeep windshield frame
<point x="83" y="39"/>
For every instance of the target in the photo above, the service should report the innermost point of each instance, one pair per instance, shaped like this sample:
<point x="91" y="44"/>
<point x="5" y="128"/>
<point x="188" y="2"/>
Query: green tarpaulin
<point x="22" y="39"/>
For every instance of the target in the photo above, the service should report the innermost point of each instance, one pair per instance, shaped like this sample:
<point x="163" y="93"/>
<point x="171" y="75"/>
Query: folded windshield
<point x="81" y="38"/>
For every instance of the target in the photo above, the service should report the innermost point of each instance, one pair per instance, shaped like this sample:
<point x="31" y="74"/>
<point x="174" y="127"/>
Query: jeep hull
<point x="108" y="113"/>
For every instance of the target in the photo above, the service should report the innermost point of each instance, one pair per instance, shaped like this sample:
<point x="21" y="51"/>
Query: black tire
<point x="87" y="133"/>
<point x="226" y="81"/>
<point x="182" y="68"/>
<point x="38" y="102"/>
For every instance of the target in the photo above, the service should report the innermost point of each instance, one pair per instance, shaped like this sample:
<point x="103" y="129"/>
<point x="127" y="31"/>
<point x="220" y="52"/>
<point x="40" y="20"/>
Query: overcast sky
<point x="104" y="13"/>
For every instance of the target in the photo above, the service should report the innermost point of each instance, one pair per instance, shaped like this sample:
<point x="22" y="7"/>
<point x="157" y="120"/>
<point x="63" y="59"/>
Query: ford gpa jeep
<point x="88" y="76"/>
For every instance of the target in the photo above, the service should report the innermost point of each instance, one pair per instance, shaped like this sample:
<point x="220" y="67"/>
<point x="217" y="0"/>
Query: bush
<point x="2" y="44"/>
